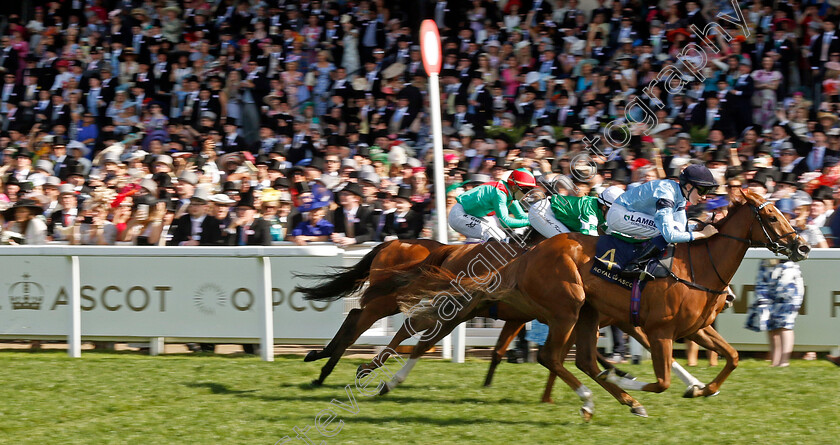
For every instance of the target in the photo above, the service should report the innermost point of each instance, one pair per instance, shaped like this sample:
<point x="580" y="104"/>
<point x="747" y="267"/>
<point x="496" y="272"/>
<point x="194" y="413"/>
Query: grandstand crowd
<point x="244" y="122"/>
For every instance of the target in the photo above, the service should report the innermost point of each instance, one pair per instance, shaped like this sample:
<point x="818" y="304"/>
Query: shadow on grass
<point x="460" y="421"/>
<point x="218" y="388"/>
<point x="335" y="391"/>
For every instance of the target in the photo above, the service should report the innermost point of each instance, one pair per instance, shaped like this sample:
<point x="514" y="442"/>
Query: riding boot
<point x="637" y="268"/>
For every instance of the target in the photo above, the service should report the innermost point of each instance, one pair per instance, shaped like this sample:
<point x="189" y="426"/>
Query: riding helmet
<point x="699" y="176"/>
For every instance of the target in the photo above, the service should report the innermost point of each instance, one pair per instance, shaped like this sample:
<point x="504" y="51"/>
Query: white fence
<point x="245" y="295"/>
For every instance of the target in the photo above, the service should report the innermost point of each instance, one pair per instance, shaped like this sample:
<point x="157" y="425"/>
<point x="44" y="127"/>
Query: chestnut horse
<point x="346" y="281"/>
<point x="553" y="281"/>
<point x="379" y="299"/>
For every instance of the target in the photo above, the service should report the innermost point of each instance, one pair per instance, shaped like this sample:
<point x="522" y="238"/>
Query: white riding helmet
<point x="609" y="195"/>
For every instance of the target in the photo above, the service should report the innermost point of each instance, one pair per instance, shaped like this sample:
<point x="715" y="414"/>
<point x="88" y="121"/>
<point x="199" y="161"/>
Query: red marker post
<point x="430" y="48"/>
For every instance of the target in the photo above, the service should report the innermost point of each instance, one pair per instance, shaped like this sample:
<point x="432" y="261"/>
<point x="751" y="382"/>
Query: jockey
<point x="470" y="216"/>
<point x="656" y="210"/>
<point x="561" y="214"/>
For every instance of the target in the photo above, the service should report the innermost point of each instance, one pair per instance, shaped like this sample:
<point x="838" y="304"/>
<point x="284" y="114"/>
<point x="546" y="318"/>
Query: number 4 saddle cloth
<point x="611" y="254"/>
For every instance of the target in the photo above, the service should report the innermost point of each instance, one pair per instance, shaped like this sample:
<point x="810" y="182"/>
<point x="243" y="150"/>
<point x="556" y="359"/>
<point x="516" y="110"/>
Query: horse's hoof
<point x="713" y="394"/>
<point x="311" y="356"/>
<point x="384" y="390"/>
<point x="547" y="400"/>
<point x="586" y="414"/>
<point x="317" y="383"/>
<point x="639" y="411"/>
<point x="629" y="376"/>
<point x="692" y="391"/>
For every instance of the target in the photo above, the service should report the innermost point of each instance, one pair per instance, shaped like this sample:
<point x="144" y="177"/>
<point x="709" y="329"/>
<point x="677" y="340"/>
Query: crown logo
<point x="26" y="294"/>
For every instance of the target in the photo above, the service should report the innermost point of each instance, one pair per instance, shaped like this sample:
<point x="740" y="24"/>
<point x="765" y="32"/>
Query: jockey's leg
<point x="466" y="224"/>
<point x="636" y="267"/>
<point x="542" y="219"/>
<point x="492" y="229"/>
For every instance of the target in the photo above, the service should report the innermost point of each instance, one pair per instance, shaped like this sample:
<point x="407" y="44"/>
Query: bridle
<point x="774" y="245"/>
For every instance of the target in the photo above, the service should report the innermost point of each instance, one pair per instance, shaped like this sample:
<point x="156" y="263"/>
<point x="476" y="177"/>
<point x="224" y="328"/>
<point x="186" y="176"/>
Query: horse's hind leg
<point x="436" y="330"/>
<point x="399" y="337"/>
<point x="710" y="339"/>
<point x="509" y="332"/>
<point x="346" y="328"/>
<point x="585" y="359"/>
<point x="374" y="311"/>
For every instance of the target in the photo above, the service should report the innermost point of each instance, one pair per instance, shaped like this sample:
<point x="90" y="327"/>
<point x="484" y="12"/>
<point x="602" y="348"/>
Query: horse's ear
<point x="739" y="196"/>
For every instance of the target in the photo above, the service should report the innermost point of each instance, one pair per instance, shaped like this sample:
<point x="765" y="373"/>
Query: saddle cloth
<point x="611" y="254"/>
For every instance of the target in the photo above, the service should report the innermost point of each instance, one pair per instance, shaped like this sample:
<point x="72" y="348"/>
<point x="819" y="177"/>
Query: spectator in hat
<point x="246" y="229"/>
<point x="315" y="228"/>
<point x="353" y="220"/>
<point x="232" y="141"/>
<point x="196" y="228"/>
<point x="23" y="227"/>
<point x="801" y="203"/>
<point x="403" y="222"/>
<point x="63" y="219"/>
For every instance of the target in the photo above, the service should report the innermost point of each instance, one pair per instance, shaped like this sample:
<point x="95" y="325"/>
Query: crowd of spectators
<point x="244" y="122"/>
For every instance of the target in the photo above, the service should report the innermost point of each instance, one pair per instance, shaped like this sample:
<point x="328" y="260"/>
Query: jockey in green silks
<point x="481" y="212"/>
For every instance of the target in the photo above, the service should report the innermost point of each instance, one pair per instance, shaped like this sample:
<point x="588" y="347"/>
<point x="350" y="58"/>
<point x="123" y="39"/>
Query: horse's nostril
<point x="804" y="249"/>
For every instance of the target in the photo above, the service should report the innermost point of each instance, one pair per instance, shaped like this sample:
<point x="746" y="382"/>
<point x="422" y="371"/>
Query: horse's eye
<point x="773" y="219"/>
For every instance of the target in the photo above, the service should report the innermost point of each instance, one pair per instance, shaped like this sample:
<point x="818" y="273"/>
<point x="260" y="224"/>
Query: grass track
<point x="128" y="398"/>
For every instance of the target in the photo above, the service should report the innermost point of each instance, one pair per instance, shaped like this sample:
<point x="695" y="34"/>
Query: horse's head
<point x="771" y="229"/>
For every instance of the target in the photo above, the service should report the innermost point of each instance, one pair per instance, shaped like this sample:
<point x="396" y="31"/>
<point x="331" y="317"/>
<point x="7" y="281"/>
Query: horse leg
<point x="710" y="339"/>
<point x="549" y="386"/>
<point x="366" y="318"/>
<point x="676" y="368"/>
<point x="346" y="328"/>
<point x="509" y="332"/>
<point x="586" y="360"/>
<point x="389" y="350"/>
<point x="426" y="342"/>
<point x="560" y="337"/>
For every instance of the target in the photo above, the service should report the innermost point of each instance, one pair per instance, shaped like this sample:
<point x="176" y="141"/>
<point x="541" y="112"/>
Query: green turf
<point x="129" y="398"/>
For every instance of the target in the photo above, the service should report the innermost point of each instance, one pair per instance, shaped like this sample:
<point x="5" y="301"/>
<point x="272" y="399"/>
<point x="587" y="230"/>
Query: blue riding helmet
<point x="699" y="176"/>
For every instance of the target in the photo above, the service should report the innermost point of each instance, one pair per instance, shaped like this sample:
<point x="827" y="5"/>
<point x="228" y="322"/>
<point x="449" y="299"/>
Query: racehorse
<point x="554" y="282"/>
<point x="379" y="300"/>
<point x="475" y="260"/>
<point x="346" y="281"/>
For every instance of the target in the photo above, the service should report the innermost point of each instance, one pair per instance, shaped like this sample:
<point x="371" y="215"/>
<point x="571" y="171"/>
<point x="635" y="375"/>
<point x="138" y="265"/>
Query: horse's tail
<point x="340" y="282"/>
<point x="436" y="293"/>
<point x="387" y="281"/>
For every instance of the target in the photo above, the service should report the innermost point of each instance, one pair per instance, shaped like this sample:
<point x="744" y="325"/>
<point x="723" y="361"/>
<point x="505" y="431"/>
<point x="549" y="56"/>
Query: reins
<point x="773" y="245"/>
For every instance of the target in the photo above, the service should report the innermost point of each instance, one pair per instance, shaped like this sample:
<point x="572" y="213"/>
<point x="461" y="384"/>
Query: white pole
<point x="267" y="322"/>
<point x="74" y="338"/>
<point x="440" y="206"/>
<point x="437" y="137"/>
<point x="440" y="187"/>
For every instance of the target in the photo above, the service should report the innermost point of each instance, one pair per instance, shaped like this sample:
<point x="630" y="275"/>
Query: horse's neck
<point x="726" y="254"/>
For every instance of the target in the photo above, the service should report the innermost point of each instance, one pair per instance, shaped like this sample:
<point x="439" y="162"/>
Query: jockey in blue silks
<point x="655" y="211"/>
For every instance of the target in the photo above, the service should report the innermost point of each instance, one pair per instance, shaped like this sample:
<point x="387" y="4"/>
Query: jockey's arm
<point x="666" y="221"/>
<point x="514" y="222"/>
<point x="517" y="211"/>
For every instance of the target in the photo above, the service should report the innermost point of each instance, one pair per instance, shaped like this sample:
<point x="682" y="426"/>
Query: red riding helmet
<point x="523" y="178"/>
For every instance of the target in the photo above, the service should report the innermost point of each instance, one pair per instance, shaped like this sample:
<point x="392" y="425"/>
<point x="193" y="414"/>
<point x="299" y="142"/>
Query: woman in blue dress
<point x="779" y="289"/>
<point x="323" y="68"/>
